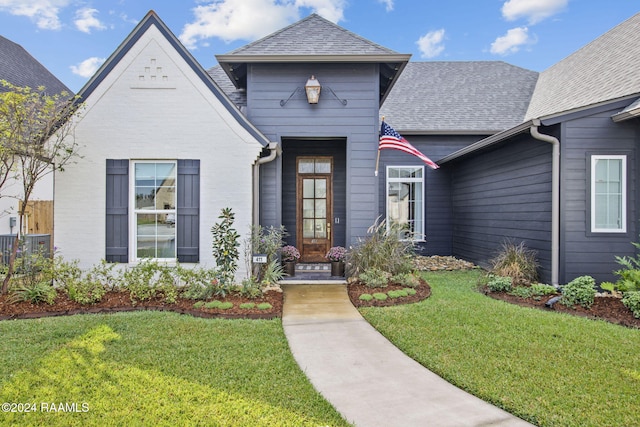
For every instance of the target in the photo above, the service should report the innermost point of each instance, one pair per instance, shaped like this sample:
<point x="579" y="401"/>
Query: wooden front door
<point x="314" y="197"/>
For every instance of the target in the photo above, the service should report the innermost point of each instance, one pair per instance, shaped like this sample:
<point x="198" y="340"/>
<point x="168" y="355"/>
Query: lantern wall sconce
<point x="312" y="89"/>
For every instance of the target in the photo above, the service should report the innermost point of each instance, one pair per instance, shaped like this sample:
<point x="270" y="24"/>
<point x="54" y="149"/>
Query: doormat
<point x="313" y="267"/>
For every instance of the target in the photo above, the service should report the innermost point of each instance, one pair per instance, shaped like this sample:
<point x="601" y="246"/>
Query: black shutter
<point x="117" y="226"/>
<point x="188" y="210"/>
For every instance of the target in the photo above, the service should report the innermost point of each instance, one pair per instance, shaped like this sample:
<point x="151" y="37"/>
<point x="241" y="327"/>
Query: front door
<point x="314" y="197"/>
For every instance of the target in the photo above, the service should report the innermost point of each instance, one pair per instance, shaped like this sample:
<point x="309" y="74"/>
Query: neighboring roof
<point x="478" y="97"/>
<point x="604" y="70"/>
<point x="19" y="68"/>
<point x="152" y="19"/>
<point x="314" y="39"/>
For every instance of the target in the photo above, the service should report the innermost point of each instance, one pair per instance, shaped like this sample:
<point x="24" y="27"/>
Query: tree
<point x="36" y="138"/>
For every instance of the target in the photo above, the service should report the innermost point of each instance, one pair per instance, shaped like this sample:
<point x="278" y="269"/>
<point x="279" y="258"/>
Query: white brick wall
<point x="133" y="116"/>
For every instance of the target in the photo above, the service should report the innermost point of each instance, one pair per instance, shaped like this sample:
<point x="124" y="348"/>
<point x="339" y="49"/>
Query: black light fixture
<point x="313" y="90"/>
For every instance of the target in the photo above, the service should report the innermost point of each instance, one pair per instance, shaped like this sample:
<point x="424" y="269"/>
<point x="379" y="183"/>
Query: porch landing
<point x="313" y="273"/>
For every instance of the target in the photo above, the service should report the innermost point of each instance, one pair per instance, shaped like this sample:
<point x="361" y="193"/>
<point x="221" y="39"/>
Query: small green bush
<point x="225" y="305"/>
<point x="247" y="305"/>
<point x="406" y="279"/>
<point x="264" y="306"/>
<point x="34" y="292"/>
<point x="375" y="278"/>
<point x="380" y="296"/>
<point x="365" y="297"/>
<point x="499" y="283"/>
<point x="251" y="288"/>
<point x="410" y="291"/>
<point x="213" y="304"/>
<point x="542" y="289"/>
<point x="630" y="274"/>
<point x="198" y="304"/>
<point x="580" y="290"/>
<point x="148" y="279"/>
<point x="631" y="300"/>
<point x="85" y="291"/>
<point x="397" y="293"/>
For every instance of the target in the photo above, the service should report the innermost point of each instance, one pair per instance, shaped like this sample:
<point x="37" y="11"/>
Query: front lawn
<point x="548" y="368"/>
<point x="154" y="368"/>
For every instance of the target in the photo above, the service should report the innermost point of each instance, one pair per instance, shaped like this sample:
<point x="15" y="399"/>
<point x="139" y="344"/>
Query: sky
<point x="72" y="38"/>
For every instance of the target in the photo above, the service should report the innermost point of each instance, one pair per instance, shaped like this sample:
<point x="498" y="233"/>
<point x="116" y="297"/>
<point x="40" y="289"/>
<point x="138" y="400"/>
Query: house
<point x="164" y="151"/>
<point x="19" y="68"/>
<point x="544" y="158"/>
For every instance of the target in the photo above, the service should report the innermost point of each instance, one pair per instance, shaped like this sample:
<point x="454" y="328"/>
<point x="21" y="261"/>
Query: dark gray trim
<point x="117" y="211"/>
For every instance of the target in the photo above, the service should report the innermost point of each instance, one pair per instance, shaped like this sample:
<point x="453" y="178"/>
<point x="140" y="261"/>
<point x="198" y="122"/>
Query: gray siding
<point x="584" y="252"/>
<point x="503" y="195"/>
<point x="357" y="122"/>
<point x="438" y="209"/>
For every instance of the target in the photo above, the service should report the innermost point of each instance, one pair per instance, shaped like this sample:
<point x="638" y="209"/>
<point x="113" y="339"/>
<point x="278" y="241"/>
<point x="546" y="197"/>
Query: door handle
<point x="328" y="230"/>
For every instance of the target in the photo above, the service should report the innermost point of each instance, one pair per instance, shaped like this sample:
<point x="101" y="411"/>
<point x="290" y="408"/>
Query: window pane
<point x="307" y="188"/>
<point x="608" y="197"/>
<point x="323" y="166"/>
<point x="305" y="166"/>
<point x="321" y="188"/>
<point x="165" y="198"/>
<point x="405" y="201"/>
<point x="321" y="208"/>
<point x="307" y="228"/>
<point x="321" y="230"/>
<point x="146" y="235"/>
<point x="308" y="208"/>
<point x="145" y="197"/>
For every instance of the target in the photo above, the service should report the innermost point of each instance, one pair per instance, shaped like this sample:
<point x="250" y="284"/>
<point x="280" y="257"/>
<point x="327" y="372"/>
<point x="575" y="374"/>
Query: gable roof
<point x="313" y="40"/>
<point x="19" y="68"/>
<point x="479" y="97"/>
<point x="152" y="19"/>
<point x="604" y="70"/>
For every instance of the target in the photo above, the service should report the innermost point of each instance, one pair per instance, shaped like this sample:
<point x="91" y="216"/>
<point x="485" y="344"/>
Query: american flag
<point x="391" y="139"/>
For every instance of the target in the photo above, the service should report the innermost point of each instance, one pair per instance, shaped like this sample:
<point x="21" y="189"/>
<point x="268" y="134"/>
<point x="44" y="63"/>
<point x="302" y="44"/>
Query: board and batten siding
<point x="584" y="252"/>
<point x="357" y="123"/>
<point x="503" y="195"/>
<point x="437" y="187"/>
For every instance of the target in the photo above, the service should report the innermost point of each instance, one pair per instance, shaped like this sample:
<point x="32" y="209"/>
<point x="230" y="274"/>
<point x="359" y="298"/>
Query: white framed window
<point x="153" y="221"/>
<point x="405" y="199"/>
<point x="609" y="193"/>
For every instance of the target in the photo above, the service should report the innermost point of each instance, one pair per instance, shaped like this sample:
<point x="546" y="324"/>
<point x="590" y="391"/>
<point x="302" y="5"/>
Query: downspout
<point x="275" y="150"/>
<point x="555" y="198"/>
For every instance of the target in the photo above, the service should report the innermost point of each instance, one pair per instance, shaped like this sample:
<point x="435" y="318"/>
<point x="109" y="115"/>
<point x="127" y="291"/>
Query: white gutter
<point x="555" y="198"/>
<point x="275" y="150"/>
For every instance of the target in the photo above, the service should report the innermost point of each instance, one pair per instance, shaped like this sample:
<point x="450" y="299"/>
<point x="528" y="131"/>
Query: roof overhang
<point x="631" y="112"/>
<point x="391" y="65"/>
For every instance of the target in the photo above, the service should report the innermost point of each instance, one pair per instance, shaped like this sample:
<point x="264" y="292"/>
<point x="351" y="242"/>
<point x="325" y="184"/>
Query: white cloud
<point x="534" y="10"/>
<point x="43" y="12"/>
<point x="388" y="4"/>
<point x="430" y="44"/>
<point x="512" y="41"/>
<point x="88" y="67"/>
<point x="251" y="19"/>
<point x="86" y="20"/>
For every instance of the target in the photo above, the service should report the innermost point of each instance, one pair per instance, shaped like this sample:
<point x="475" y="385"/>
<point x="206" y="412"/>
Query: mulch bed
<point x="604" y="308"/>
<point x="120" y="301"/>
<point x="356" y="289"/>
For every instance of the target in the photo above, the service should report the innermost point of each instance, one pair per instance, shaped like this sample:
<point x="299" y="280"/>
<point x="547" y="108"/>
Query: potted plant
<point x="290" y="255"/>
<point x="337" y="255"/>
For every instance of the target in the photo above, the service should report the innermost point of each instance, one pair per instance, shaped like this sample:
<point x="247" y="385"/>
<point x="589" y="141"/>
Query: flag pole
<point x="378" y="157"/>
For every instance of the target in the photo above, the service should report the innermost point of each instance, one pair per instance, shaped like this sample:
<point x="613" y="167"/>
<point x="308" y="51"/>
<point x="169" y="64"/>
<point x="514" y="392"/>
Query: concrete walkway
<point x="365" y="377"/>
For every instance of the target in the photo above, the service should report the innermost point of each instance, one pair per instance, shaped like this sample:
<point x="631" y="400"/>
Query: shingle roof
<point x="312" y="35"/>
<point x="605" y="69"/>
<point x="314" y="40"/>
<point x="479" y="96"/>
<point x="19" y="68"/>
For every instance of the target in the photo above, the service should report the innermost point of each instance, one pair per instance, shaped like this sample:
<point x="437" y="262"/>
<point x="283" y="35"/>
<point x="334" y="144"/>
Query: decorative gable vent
<point x="152" y="75"/>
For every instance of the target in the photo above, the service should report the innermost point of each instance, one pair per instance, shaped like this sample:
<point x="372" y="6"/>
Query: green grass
<point x="156" y="368"/>
<point x="548" y="368"/>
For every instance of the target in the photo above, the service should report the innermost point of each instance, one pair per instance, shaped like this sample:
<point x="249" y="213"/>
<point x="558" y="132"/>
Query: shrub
<point x="630" y="274"/>
<point x="365" y="297"/>
<point x="34" y="292"/>
<point x="410" y="291"/>
<point x="225" y="245"/>
<point x="213" y="304"/>
<point x="406" y="279"/>
<point x="198" y="283"/>
<point x="198" y="304"/>
<point x="273" y="273"/>
<point x="380" y="296"/>
<point x="247" y="305"/>
<point x="580" y="290"/>
<point x="499" y="283"/>
<point x="534" y="291"/>
<point x="631" y="300"/>
<point x="375" y="278"/>
<point x="225" y="305"/>
<point x="517" y="262"/>
<point x="85" y="291"/>
<point x="251" y="288"/>
<point x="264" y="306"/>
<point x="263" y="240"/>
<point x="148" y="280"/>
<point x="105" y="274"/>
<point x="399" y="293"/>
<point x="384" y="249"/>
